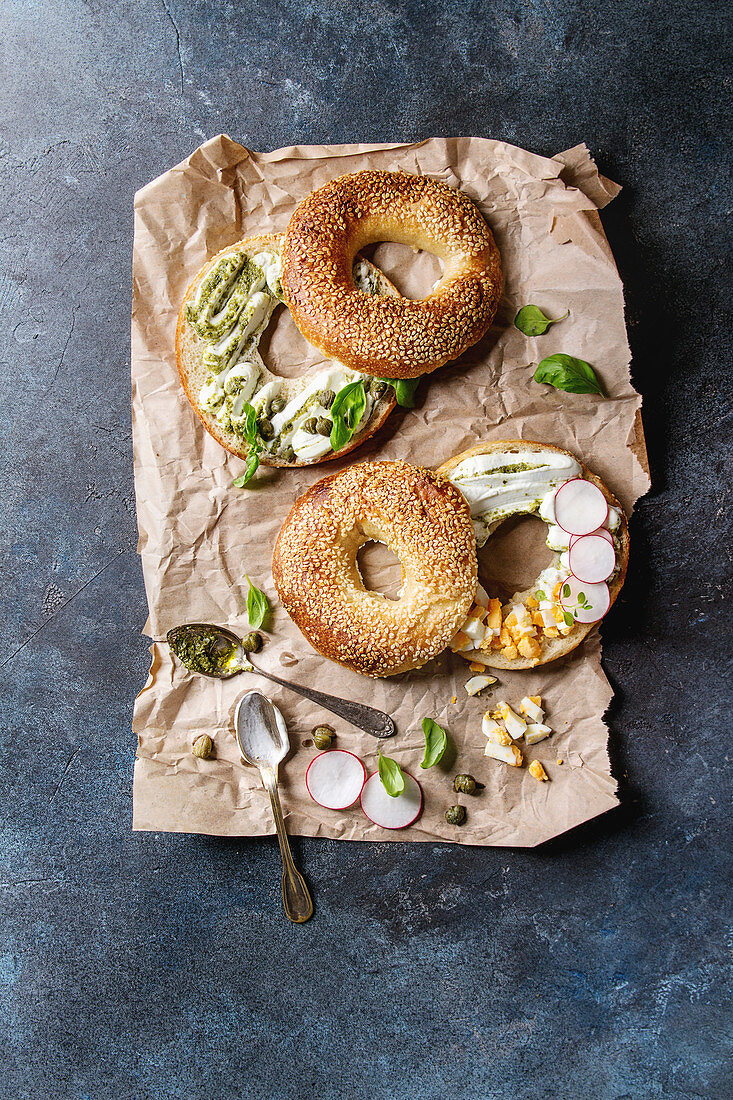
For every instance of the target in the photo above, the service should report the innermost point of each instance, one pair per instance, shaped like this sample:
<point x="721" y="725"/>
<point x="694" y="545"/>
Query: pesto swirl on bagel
<point x="241" y="403"/>
<point x="587" y="532"/>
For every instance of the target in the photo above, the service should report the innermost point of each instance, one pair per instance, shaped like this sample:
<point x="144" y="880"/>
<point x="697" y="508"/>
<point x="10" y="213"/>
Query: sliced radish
<point x="592" y="558"/>
<point x="335" y="779"/>
<point x="602" y="531"/>
<point x="587" y="603"/>
<point x="389" y="812"/>
<point x="580" y="507"/>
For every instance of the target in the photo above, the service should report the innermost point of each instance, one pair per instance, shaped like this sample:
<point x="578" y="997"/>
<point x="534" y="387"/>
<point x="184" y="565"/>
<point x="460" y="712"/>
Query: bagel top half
<point x="423" y="519"/>
<point x="225" y="312"/>
<point x="390" y="337"/>
<point x="522" y="477"/>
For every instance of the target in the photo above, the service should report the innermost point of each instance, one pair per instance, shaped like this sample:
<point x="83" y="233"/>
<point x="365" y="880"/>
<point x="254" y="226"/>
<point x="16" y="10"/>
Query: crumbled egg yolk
<point x="538" y="772"/>
<point x="515" y="630"/>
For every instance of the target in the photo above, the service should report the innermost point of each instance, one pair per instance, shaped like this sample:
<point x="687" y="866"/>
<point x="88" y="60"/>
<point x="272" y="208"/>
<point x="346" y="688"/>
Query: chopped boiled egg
<point x="530" y="708"/>
<point x="538" y="772"/>
<point x="515" y="726"/>
<point x="509" y="754"/>
<point x="478" y="683"/>
<point x="495" y="733"/>
<point x="536" y="731"/>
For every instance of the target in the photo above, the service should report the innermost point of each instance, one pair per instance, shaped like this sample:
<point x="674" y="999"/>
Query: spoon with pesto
<point x="263" y="741"/>
<point x="215" y="651"/>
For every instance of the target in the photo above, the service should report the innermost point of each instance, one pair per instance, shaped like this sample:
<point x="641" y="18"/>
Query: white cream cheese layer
<point x="239" y="321"/>
<point x="503" y="484"/>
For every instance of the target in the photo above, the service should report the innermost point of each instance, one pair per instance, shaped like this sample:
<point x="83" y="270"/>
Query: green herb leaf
<point x="391" y="775"/>
<point x="569" y="620"/>
<point x="347" y="411"/>
<point x="250" y="424"/>
<point x="567" y="373"/>
<point x="436" y="742"/>
<point x="532" y="322"/>
<point x="566" y="591"/>
<point x="257" y="605"/>
<point x="404" y="390"/>
<point x="253" y="461"/>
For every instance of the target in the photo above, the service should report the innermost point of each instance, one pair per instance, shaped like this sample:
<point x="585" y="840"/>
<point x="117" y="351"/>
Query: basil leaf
<point x="532" y="322"/>
<point x="436" y="742"/>
<point x="404" y="390"/>
<point x="250" y="424"/>
<point x="257" y="605"/>
<point x="567" y="373"/>
<point x="391" y="775"/>
<point x="253" y="461"/>
<point x="347" y="411"/>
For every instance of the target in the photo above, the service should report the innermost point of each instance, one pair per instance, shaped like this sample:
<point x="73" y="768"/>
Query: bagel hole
<point x="514" y="556"/>
<point x="380" y="570"/>
<point x="413" y="273"/>
<point x="285" y="351"/>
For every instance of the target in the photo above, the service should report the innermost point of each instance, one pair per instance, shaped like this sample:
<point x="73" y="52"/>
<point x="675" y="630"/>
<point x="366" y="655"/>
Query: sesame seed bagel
<point x="395" y="338"/>
<point x="258" y="385"/>
<point x="550" y="648"/>
<point x="423" y="519"/>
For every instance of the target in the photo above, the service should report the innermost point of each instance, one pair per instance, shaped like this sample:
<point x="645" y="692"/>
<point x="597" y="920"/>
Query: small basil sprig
<point x="404" y="390"/>
<point x="255" y="448"/>
<point x="257" y="605"/>
<point x="532" y="322"/>
<point x="436" y="742"/>
<point x="348" y="408"/>
<point x="391" y="776"/>
<point x="567" y="373"/>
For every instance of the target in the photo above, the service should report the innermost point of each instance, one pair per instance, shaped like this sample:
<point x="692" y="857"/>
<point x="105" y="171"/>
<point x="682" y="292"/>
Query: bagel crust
<point x="424" y="520"/>
<point x="551" y="647"/>
<point x="390" y="338"/>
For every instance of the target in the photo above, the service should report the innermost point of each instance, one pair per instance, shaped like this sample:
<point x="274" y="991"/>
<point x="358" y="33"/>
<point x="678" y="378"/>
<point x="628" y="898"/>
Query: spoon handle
<point x="296" y="899"/>
<point x="360" y="715"/>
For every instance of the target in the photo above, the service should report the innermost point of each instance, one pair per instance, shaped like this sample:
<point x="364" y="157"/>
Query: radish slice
<point x="335" y="779"/>
<point x="602" y="531"/>
<point x="580" y="507"/>
<point x="389" y="812"/>
<point x="592" y="558"/>
<point x="587" y="603"/>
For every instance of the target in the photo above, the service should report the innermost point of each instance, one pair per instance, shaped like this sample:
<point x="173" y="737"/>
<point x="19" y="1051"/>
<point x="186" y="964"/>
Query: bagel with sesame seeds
<point x="224" y="314"/>
<point x="551" y="616"/>
<point x="423" y="519"/>
<point x="390" y="337"/>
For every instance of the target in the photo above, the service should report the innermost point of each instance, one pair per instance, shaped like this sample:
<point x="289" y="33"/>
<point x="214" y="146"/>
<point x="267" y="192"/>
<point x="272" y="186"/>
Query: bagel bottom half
<point x="518" y="477"/>
<point x="424" y="520"/>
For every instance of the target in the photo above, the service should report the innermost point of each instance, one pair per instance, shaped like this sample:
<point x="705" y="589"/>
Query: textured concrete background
<point x="143" y="966"/>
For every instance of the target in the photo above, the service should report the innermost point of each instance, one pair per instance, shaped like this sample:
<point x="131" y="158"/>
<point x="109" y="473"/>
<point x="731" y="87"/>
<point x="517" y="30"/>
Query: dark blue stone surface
<point x="145" y="966"/>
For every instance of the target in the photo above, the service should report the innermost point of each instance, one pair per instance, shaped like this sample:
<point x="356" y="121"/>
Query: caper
<point x="277" y="405"/>
<point x="379" y="387"/>
<point x="287" y="454"/>
<point x="265" y="428"/>
<point x="322" y="737"/>
<point x="324" y="425"/>
<point x="326" y="398"/>
<point x="203" y="747"/>
<point x="466" y="784"/>
<point x="252" y="643"/>
<point x="309" y="425"/>
<point x="455" y="815"/>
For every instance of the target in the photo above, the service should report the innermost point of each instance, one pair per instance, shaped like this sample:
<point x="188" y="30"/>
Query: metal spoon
<point x="360" y="715"/>
<point x="263" y="741"/>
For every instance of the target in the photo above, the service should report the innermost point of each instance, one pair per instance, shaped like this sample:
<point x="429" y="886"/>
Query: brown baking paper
<point x="199" y="536"/>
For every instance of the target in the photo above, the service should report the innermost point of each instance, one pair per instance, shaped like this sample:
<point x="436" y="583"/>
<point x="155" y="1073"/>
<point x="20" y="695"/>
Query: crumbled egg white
<point x="536" y="731"/>
<point x="509" y="754"/>
<point x="515" y="726"/>
<point x="530" y="708"/>
<point x="478" y="683"/>
<point x="494" y="731"/>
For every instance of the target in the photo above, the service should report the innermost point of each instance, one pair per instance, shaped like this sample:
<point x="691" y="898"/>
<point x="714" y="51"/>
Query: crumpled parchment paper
<point x="199" y="536"/>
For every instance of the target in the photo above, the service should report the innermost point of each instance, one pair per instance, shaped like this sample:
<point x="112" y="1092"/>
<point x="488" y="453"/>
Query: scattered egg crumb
<point x="559" y="760"/>
<point x="538" y="772"/>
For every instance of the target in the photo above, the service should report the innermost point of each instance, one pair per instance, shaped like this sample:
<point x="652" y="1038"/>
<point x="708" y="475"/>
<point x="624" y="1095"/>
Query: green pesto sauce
<point x="202" y="650"/>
